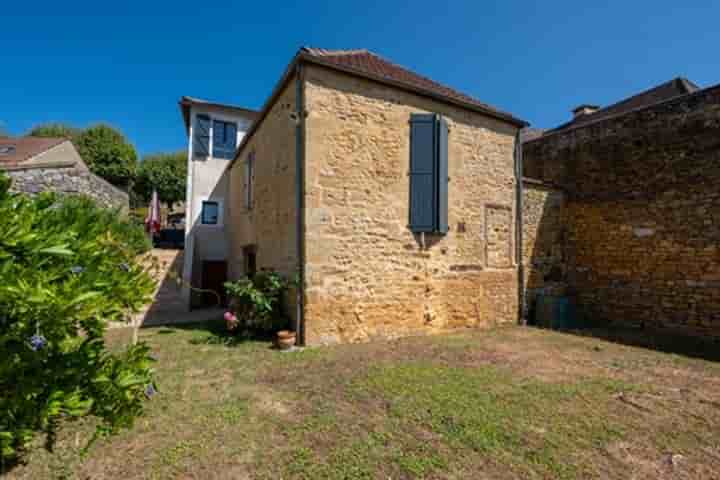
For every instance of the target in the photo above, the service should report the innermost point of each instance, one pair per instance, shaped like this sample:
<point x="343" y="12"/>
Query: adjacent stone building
<point x="38" y="164"/>
<point x="392" y="197"/>
<point x="622" y="210"/>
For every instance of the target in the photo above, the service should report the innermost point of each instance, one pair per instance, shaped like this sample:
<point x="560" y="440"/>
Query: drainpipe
<point x="519" y="228"/>
<point x="300" y="201"/>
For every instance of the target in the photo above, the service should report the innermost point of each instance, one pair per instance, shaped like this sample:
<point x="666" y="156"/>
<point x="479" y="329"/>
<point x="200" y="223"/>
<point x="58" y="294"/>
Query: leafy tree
<point x="55" y="130"/>
<point x="164" y="172"/>
<point x="68" y="267"/>
<point x="108" y="154"/>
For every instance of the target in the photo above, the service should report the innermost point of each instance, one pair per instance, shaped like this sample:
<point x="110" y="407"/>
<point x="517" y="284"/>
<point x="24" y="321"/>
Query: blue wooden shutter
<point x="201" y="136"/>
<point x="218" y="139"/>
<point x="231" y="138"/>
<point x="423" y="193"/>
<point x="442" y="175"/>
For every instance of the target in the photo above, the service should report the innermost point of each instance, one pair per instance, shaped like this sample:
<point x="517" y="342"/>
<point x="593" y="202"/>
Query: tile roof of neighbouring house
<point x="14" y="151"/>
<point x="665" y="91"/>
<point x="527" y="134"/>
<point x="368" y="64"/>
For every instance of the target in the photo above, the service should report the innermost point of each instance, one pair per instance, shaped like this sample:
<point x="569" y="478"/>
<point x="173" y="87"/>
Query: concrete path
<point x="168" y="307"/>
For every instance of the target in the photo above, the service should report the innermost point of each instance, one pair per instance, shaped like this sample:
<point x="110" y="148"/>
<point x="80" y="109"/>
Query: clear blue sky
<point x="127" y="63"/>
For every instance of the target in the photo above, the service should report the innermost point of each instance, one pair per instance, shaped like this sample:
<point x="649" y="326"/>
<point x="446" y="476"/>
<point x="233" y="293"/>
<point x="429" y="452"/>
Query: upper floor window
<point x="428" y="173"/>
<point x="224" y="139"/>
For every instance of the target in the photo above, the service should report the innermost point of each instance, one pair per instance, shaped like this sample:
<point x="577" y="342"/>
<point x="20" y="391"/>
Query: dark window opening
<point x="250" y="259"/>
<point x="210" y="213"/>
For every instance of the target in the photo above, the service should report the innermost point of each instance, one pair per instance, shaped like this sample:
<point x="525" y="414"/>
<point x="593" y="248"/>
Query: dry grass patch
<point x="506" y="403"/>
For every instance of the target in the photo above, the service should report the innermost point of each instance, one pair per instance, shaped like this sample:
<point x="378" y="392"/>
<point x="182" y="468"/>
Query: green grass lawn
<point x="509" y="403"/>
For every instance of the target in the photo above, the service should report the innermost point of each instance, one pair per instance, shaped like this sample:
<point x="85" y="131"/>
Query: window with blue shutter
<point x="428" y="173"/>
<point x="224" y="139"/>
<point x="201" y="136"/>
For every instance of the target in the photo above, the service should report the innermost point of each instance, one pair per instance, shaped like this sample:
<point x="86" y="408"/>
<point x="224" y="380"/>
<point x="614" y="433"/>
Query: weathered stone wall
<point x="642" y="216"/>
<point x="367" y="275"/>
<point x="543" y="235"/>
<point x="270" y="225"/>
<point x="71" y="179"/>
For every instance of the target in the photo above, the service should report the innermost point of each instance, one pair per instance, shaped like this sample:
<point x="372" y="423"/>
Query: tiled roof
<point x="527" y="134"/>
<point x="369" y="64"/>
<point x="665" y="91"/>
<point x="14" y="151"/>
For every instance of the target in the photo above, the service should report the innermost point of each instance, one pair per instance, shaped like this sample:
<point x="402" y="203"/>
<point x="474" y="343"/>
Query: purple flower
<point x="37" y="342"/>
<point x="150" y="391"/>
<point x="77" y="269"/>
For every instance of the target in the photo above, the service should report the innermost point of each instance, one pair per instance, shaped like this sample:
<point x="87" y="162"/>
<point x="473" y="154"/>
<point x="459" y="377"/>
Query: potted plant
<point x="256" y="306"/>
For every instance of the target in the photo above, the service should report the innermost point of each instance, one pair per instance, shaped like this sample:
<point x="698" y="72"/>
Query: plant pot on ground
<point x="285" y="339"/>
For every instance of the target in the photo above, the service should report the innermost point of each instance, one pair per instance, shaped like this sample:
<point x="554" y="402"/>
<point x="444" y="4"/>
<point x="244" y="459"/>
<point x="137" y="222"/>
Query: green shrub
<point x="257" y="302"/>
<point x="67" y="267"/>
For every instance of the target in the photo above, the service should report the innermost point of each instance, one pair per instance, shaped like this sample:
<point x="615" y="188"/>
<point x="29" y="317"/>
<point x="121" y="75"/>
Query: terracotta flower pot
<point x="285" y="339"/>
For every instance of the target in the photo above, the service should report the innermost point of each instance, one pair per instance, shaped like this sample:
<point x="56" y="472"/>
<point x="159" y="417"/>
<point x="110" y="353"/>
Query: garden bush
<point x="256" y="303"/>
<point x="67" y="268"/>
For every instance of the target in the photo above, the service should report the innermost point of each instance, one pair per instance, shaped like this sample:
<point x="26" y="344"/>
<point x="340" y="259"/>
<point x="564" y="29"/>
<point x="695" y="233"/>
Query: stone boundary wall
<point x="71" y="178"/>
<point x="542" y="246"/>
<point x="641" y="213"/>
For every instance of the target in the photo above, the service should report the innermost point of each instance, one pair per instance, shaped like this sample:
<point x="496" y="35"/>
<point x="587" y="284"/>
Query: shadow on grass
<point x="216" y="334"/>
<point x="659" y="340"/>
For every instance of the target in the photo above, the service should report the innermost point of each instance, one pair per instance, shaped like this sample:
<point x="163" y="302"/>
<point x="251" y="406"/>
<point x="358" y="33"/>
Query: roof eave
<point x="561" y="130"/>
<point x="302" y="56"/>
<point x="414" y="89"/>
<point x="186" y="103"/>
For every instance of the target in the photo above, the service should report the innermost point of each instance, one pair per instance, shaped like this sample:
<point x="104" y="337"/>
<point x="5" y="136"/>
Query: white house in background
<point x="214" y="132"/>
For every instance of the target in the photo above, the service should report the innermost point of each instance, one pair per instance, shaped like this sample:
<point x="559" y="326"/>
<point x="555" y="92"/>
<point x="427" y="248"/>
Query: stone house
<point x="393" y="198"/>
<point x="620" y="210"/>
<point x="53" y="164"/>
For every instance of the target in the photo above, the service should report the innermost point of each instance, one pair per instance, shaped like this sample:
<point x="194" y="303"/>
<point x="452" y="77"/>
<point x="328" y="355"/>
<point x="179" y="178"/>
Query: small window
<point x="210" y="213"/>
<point x="224" y="139"/>
<point x="249" y="180"/>
<point x="250" y="260"/>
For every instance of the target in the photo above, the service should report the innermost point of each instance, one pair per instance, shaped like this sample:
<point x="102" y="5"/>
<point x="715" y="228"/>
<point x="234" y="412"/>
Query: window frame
<point x="213" y="147"/>
<point x="239" y="124"/>
<point x="218" y="217"/>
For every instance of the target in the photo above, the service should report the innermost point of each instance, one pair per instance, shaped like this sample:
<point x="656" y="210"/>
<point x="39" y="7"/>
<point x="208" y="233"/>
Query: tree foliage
<point x="164" y="172"/>
<point x="108" y="154"/>
<point x="60" y="130"/>
<point x="68" y="267"/>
